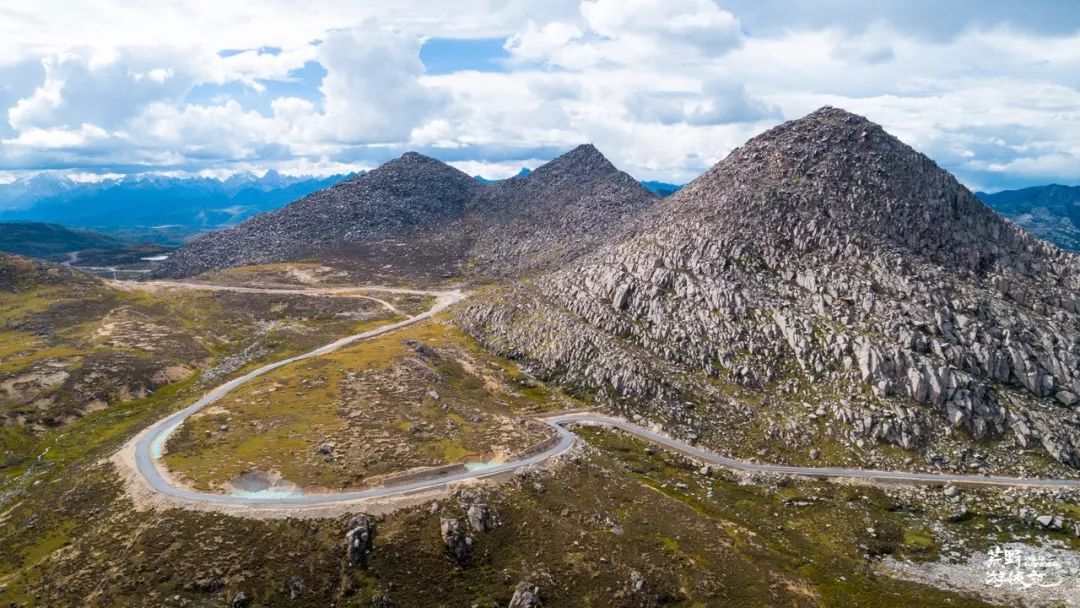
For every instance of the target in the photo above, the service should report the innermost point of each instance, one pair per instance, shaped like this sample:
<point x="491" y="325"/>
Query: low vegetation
<point x="423" y="396"/>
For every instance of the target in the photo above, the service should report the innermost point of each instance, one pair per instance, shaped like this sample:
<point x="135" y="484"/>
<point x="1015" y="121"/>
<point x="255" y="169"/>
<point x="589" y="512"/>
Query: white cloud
<point x="372" y="92"/>
<point x="662" y="87"/>
<point x="699" y="24"/>
<point x="59" y="137"/>
<point x="538" y="43"/>
<point x="104" y="89"/>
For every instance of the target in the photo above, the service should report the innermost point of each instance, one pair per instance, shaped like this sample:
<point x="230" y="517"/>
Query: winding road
<point x="147" y="447"/>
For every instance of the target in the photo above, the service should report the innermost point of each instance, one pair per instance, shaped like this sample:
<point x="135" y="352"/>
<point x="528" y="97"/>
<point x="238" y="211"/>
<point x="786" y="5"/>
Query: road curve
<point x="148" y="445"/>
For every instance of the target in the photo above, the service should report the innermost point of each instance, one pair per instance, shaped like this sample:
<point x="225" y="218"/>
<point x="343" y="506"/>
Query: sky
<point x="664" y="88"/>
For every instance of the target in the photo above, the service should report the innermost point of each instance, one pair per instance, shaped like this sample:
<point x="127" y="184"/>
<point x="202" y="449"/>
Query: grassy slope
<point x="43" y="240"/>
<point x="580" y="532"/>
<point x="383" y="406"/>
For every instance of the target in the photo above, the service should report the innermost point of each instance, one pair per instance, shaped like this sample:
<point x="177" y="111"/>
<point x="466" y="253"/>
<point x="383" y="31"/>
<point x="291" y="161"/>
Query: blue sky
<point x="665" y="88"/>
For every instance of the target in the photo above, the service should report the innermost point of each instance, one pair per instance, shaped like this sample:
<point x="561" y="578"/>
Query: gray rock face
<point x="359" y="540"/>
<point x="526" y="595"/>
<point x="241" y="600"/>
<point x="480" y="517"/>
<point x="823" y="251"/>
<point x="434" y="214"/>
<point x="456" y="541"/>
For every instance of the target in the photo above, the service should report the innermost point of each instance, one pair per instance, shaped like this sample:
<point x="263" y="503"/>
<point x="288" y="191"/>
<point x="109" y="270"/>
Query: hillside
<point x="563" y="209"/>
<point x="821" y="293"/>
<point x="1050" y="212"/>
<point x="418" y="219"/>
<point x="40" y="240"/>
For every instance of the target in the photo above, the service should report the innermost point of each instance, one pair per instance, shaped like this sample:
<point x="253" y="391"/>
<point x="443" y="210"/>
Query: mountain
<point x="661" y="188"/>
<point x="823" y="290"/>
<point x="159" y="207"/>
<point x="480" y="178"/>
<point x="401" y="202"/>
<point x="547" y="217"/>
<point x="418" y="217"/>
<point x="44" y="240"/>
<point x="1051" y="212"/>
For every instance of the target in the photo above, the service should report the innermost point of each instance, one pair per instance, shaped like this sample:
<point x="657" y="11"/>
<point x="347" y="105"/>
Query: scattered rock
<point x="296" y="587"/>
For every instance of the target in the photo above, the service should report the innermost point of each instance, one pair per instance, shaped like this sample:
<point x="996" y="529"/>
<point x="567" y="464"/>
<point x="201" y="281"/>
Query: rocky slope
<point x="824" y="284"/>
<point x="411" y="194"/>
<point x="417" y="214"/>
<point x="1051" y="212"/>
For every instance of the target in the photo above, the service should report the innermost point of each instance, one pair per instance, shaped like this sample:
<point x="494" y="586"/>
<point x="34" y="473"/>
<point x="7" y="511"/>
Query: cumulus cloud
<point x="86" y="86"/>
<point x="698" y="24"/>
<point x="371" y="92"/>
<point x="664" y="88"/>
<point x="719" y="102"/>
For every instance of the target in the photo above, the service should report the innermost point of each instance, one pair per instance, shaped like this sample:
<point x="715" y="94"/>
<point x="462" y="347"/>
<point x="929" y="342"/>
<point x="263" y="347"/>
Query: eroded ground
<point x="423" y="396"/>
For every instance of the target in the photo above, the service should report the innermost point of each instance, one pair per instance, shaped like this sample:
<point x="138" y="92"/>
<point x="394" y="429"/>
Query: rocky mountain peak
<point x="413" y="165"/>
<point x="581" y="163"/>
<point x="833" y="179"/>
<point x="823" y="270"/>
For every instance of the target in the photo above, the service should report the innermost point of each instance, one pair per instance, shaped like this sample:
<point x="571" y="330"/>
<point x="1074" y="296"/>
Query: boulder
<point x="457" y="543"/>
<point x="359" y="539"/>
<point x="526" y="595"/>
<point x="481" y="518"/>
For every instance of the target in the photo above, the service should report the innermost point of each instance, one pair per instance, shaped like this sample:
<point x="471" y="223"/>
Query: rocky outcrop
<point x="457" y="542"/>
<point x="526" y="595"/>
<point x="480" y="517"/>
<point x="823" y="259"/>
<point x="359" y="540"/>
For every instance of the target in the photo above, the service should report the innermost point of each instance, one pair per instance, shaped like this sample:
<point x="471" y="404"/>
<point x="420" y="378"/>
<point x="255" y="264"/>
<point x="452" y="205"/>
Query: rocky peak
<point x="581" y="162"/>
<point x="418" y="169"/>
<point x="834" y="178"/>
<point x="564" y="209"/>
<point x="823" y="265"/>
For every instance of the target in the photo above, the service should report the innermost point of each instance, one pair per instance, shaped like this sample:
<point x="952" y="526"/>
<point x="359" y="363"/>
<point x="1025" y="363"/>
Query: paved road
<point x="826" y="472"/>
<point x="149" y="446"/>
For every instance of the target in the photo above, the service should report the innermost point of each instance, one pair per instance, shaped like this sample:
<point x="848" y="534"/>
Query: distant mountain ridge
<point x="143" y="205"/>
<point x="1051" y="212"/>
